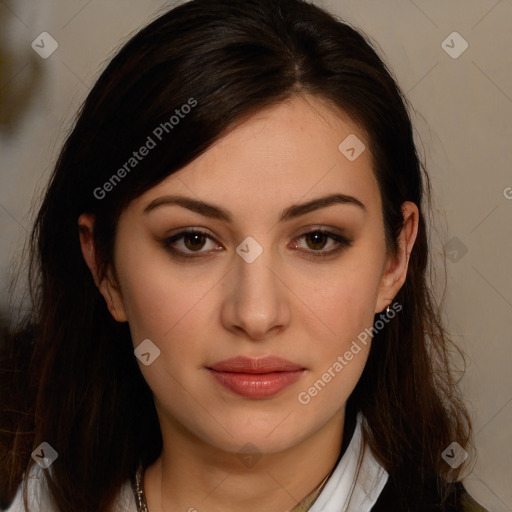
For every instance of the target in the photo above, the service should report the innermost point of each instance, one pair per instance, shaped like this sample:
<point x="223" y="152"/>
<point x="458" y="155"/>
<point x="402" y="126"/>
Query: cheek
<point x="346" y="305"/>
<point x="339" y="358"/>
<point x="346" y="296"/>
<point x="158" y="297"/>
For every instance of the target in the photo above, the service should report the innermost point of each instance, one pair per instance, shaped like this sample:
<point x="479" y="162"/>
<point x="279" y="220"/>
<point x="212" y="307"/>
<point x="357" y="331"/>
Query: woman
<point x="230" y="307"/>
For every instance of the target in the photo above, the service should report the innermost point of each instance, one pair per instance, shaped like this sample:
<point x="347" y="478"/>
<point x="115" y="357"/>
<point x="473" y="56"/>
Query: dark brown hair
<point x="69" y="375"/>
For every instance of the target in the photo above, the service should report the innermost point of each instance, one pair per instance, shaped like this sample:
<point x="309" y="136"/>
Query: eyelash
<point x="168" y="242"/>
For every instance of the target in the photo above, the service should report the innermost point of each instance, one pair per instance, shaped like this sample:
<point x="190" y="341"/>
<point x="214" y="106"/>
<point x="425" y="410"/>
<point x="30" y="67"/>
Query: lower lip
<point x="257" y="385"/>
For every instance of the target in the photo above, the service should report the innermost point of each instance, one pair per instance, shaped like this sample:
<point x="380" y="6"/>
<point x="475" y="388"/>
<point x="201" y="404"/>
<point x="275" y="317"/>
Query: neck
<point x="192" y="475"/>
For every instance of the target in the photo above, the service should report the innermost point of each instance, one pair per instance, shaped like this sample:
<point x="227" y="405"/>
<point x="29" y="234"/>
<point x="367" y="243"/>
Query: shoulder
<point x="457" y="500"/>
<point x="39" y="497"/>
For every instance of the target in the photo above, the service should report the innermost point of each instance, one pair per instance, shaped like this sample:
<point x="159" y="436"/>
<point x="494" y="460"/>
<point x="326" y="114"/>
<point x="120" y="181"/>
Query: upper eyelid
<point x="303" y="231"/>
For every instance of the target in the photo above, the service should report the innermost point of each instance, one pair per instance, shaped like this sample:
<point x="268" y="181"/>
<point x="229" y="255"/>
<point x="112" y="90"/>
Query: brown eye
<point x="318" y="240"/>
<point x="194" y="241"/>
<point x="189" y="244"/>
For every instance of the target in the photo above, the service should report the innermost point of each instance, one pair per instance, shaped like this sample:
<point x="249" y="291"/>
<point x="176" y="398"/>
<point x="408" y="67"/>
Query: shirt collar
<point x="357" y="480"/>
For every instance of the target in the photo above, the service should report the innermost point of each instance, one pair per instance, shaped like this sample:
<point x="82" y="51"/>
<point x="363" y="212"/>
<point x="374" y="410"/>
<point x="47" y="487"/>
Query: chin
<point x="265" y="437"/>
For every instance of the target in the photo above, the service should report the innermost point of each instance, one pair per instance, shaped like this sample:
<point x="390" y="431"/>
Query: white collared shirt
<point x="357" y="480"/>
<point x="354" y="486"/>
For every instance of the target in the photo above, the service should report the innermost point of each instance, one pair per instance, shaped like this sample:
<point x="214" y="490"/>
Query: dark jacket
<point x="457" y="500"/>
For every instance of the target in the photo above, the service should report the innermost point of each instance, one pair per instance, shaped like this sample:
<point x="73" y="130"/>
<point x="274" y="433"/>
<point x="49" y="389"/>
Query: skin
<point x="288" y="302"/>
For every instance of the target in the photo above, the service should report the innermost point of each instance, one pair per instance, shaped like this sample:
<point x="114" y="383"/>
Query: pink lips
<point x="256" y="378"/>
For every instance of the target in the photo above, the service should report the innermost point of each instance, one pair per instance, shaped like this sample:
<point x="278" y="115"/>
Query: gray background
<point x="462" y="111"/>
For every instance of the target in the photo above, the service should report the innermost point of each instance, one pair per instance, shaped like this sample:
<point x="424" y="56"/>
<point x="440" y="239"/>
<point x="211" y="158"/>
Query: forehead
<point x="296" y="150"/>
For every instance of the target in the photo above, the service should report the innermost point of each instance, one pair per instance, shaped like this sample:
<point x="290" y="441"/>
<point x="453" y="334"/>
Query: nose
<point x="256" y="302"/>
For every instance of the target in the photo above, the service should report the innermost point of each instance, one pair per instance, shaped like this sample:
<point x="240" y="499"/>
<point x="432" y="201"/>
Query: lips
<point x="262" y="365"/>
<point x="256" y="378"/>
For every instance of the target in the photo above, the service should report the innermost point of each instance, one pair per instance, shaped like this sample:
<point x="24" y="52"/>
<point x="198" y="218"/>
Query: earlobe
<point x="112" y="295"/>
<point x="106" y="285"/>
<point x="396" y="268"/>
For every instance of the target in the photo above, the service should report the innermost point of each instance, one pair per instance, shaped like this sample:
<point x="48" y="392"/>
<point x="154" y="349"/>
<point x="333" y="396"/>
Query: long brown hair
<point x="69" y="375"/>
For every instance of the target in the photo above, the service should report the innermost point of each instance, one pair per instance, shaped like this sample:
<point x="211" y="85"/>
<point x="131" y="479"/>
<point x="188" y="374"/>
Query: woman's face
<point x="258" y="280"/>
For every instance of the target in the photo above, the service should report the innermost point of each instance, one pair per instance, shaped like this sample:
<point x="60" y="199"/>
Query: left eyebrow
<point x="216" y="212"/>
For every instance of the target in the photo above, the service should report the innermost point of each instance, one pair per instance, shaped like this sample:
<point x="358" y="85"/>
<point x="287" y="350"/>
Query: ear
<point x="396" y="267"/>
<point x="106" y="285"/>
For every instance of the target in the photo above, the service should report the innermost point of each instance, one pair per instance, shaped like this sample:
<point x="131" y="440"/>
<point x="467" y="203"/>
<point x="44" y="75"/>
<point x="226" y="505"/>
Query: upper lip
<point x="266" y="364"/>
